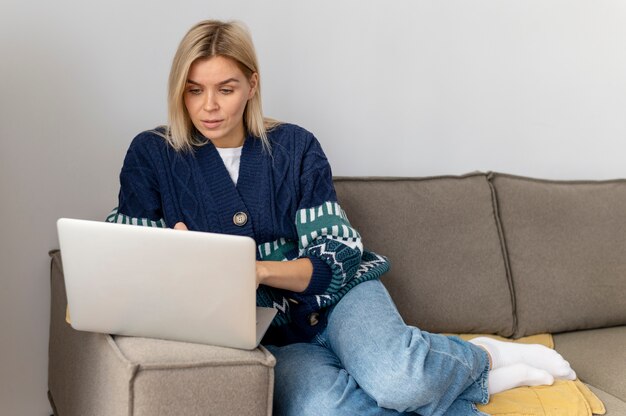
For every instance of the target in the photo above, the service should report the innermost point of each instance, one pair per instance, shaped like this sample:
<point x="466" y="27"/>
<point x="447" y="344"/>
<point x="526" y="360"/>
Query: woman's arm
<point x="139" y="200"/>
<point x="293" y="275"/>
<point x="324" y="234"/>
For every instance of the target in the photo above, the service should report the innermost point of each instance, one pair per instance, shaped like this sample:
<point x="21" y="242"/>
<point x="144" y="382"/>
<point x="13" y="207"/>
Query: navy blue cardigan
<point x="288" y="198"/>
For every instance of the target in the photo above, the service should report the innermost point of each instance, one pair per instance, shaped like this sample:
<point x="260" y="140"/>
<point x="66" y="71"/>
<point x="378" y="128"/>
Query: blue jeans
<point x="367" y="361"/>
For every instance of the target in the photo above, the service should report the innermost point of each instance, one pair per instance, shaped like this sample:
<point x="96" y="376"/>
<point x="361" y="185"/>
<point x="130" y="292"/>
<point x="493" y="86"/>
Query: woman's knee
<point x="397" y="376"/>
<point x="404" y="395"/>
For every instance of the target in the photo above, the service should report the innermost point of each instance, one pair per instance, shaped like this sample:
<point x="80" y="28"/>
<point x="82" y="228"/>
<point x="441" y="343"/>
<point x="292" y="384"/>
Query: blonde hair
<point x="207" y="39"/>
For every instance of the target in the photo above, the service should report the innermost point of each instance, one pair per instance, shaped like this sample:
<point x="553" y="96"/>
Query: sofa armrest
<point x="99" y="374"/>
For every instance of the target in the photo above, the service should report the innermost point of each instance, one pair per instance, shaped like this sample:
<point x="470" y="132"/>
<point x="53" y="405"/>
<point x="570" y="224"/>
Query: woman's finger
<point x="180" y="226"/>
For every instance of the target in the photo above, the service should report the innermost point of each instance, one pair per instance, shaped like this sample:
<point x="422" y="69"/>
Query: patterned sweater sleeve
<point x="325" y="235"/>
<point x="139" y="196"/>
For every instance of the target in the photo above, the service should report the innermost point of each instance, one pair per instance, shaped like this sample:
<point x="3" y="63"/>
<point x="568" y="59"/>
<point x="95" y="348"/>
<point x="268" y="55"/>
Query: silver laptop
<point x="162" y="283"/>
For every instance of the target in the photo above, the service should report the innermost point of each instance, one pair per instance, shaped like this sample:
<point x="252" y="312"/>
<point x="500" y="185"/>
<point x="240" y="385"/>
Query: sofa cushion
<point x="598" y="356"/>
<point x="441" y="237"/>
<point x="566" y="243"/>
<point x="613" y="405"/>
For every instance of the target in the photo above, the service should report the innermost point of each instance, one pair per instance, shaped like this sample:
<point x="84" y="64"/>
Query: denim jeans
<point x="367" y="361"/>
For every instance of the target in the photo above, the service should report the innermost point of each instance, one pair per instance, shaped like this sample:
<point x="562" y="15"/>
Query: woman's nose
<point x="210" y="104"/>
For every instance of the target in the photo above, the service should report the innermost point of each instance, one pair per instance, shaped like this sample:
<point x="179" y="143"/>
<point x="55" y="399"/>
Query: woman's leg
<point x="399" y="366"/>
<point x="389" y="367"/>
<point x="309" y="380"/>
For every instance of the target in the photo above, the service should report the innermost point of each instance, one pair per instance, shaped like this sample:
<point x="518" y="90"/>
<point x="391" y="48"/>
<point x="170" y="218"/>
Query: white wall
<point x="402" y="87"/>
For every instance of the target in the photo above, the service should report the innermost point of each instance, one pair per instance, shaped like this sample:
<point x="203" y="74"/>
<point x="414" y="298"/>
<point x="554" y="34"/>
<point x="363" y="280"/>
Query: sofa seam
<point x="560" y="181"/>
<point x="270" y="390"/>
<point x="51" y="280"/>
<point x="55" y="412"/>
<point x="157" y="367"/>
<point x="131" y="389"/>
<point x="118" y="352"/>
<point x="503" y="248"/>
<point x="268" y="361"/>
<point x="271" y="363"/>
<point x="405" y="178"/>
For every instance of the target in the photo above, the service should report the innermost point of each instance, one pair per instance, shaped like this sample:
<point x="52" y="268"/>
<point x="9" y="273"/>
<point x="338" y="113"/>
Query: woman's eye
<point x="226" y="91"/>
<point x="195" y="91"/>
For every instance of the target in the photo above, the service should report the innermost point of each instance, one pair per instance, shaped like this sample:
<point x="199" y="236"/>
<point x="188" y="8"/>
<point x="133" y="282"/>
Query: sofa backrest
<point x="448" y="272"/>
<point x="496" y="253"/>
<point x="566" y="243"/>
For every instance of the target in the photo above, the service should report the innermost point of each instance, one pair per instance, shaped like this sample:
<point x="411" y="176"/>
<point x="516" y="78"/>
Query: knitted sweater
<point x="289" y="206"/>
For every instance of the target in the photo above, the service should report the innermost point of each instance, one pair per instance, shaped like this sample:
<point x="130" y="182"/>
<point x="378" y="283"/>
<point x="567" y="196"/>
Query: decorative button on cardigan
<point x="288" y="199"/>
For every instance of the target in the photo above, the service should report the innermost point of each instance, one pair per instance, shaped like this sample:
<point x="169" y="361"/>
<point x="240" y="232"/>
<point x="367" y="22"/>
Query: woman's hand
<point x="293" y="275"/>
<point x="261" y="273"/>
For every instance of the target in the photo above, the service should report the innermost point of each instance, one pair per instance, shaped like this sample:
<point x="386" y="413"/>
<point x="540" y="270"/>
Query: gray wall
<point x="402" y="87"/>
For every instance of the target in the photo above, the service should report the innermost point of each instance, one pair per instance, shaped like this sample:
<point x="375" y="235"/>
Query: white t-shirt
<point x="231" y="157"/>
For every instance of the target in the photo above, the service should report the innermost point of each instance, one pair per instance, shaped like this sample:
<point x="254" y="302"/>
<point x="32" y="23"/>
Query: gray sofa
<point x="479" y="253"/>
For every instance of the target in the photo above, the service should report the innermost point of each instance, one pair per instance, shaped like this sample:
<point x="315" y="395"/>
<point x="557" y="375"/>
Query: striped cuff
<point x="321" y="278"/>
<point x="116" y="217"/>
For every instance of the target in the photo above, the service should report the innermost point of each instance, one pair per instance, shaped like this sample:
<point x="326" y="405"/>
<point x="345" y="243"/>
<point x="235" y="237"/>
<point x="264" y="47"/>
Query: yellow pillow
<point x="564" y="397"/>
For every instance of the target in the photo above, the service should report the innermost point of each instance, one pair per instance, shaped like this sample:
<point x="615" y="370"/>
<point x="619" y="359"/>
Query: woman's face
<point x="216" y="94"/>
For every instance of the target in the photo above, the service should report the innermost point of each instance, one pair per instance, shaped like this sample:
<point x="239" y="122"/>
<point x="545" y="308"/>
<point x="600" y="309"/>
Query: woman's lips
<point x="211" y="124"/>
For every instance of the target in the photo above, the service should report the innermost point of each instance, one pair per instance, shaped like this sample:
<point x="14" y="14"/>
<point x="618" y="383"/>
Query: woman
<point x="340" y="344"/>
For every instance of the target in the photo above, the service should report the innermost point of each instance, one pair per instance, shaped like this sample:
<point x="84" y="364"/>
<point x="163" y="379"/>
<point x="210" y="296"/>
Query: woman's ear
<point x="254" y="82"/>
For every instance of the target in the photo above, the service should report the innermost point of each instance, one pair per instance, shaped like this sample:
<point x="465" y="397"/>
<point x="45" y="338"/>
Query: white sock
<point x="504" y="354"/>
<point x="517" y="375"/>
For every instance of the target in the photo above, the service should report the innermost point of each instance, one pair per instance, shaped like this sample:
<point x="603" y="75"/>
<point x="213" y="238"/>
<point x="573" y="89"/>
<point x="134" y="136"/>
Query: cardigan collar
<point x="230" y="200"/>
